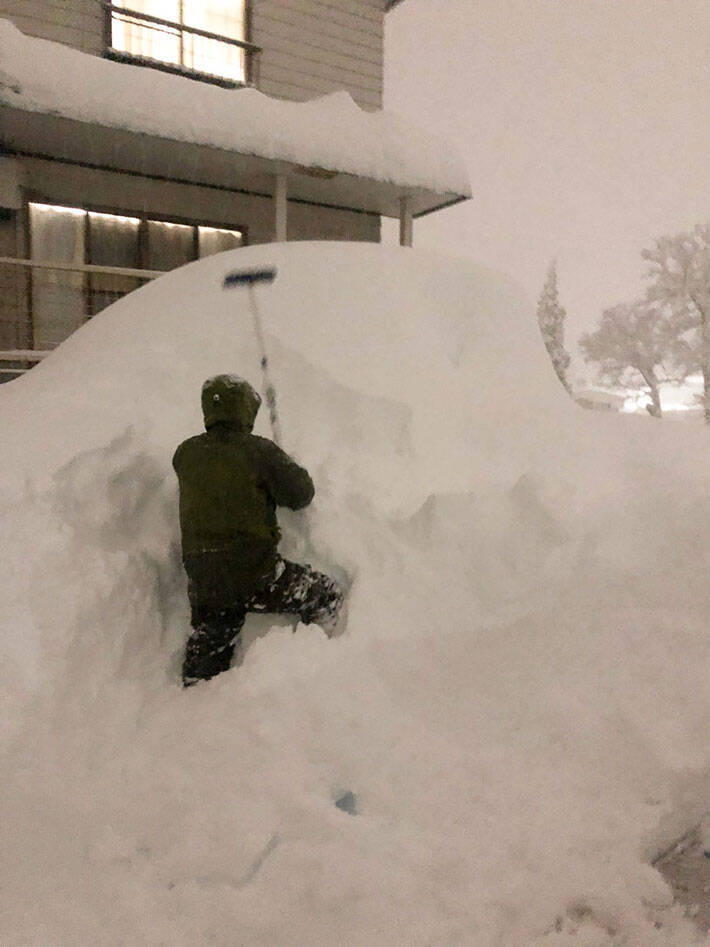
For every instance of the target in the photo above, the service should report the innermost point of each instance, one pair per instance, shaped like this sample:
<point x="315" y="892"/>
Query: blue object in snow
<point x="347" y="801"/>
<point x="241" y="277"/>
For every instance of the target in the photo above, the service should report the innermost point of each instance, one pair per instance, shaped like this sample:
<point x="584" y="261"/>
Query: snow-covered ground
<point x="518" y="703"/>
<point x="684" y="401"/>
<point x="678" y="401"/>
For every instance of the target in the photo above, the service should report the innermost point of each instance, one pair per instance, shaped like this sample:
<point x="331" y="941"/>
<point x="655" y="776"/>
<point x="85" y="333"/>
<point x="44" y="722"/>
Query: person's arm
<point x="177" y="457"/>
<point x="288" y="483"/>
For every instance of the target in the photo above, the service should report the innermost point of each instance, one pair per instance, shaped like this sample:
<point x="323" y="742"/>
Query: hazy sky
<point x="585" y="124"/>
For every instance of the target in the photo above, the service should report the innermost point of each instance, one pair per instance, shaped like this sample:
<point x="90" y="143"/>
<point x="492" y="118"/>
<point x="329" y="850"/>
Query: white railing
<point x="82" y="268"/>
<point x="12" y="358"/>
<point x="43" y="302"/>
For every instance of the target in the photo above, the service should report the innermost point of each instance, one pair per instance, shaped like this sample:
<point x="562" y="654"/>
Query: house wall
<point x="310" y="47"/>
<point x="77" y="23"/>
<point x="64" y="183"/>
<point x="56" y="182"/>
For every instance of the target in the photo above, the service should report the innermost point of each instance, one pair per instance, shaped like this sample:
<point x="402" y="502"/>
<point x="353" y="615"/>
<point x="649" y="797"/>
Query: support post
<point x="281" y="209"/>
<point x="406" y="227"/>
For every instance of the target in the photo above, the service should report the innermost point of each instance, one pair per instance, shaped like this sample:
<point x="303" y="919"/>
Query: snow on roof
<point x="331" y="132"/>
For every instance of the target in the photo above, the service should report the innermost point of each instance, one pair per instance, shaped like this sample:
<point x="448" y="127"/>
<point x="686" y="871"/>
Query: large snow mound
<point x="519" y="701"/>
<point x="330" y="132"/>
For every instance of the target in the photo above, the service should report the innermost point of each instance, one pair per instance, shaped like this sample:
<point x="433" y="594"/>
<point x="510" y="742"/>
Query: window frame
<point x="251" y="51"/>
<point x="34" y="197"/>
<point x="142" y="238"/>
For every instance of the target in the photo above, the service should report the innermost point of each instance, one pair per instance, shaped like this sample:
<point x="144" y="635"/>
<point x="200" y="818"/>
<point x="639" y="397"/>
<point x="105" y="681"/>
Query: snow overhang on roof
<point x="52" y="98"/>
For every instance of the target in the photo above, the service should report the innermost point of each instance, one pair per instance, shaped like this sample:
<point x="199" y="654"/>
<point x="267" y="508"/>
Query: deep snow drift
<point x="519" y="702"/>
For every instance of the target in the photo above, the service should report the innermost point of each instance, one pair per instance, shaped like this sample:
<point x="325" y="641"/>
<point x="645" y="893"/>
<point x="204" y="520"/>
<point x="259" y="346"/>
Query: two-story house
<point x="136" y="138"/>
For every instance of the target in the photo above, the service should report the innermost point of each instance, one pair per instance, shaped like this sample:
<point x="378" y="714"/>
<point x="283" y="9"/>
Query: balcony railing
<point x="150" y="40"/>
<point x="42" y="303"/>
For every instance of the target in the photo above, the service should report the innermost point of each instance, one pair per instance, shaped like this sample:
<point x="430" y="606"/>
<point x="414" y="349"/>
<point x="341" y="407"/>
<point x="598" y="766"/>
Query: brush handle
<point x="269" y="390"/>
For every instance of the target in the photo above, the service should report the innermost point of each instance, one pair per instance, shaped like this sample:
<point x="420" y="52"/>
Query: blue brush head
<point x="247" y="277"/>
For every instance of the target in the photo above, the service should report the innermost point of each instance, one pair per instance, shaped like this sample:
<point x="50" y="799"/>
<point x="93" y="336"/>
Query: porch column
<point x="406" y="227"/>
<point x="280" y="209"/>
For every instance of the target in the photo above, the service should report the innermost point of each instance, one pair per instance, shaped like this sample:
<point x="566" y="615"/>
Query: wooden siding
<point x="310" y="47"/>
<point x="77" y="23"/>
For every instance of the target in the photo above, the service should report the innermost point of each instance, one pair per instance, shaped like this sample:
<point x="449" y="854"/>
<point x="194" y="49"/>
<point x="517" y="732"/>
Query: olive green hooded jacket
<point x="231" y="482"/>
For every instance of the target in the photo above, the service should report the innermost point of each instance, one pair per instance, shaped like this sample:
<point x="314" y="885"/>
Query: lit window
<point x="169" y="31"/>
<point x="215" y="239"/>
<point x="63" y="296"/>
<point x="56" y="296"/>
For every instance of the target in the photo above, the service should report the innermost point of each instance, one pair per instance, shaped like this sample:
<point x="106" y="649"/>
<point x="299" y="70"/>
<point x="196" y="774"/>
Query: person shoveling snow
<point x="231" y="482"/>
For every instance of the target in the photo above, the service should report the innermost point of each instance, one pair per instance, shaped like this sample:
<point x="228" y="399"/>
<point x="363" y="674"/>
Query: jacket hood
<point x="229" y="400"/>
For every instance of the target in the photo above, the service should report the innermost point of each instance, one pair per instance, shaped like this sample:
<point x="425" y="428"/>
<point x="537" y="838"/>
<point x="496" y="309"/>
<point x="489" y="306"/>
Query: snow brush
<point x="250" y="278"/>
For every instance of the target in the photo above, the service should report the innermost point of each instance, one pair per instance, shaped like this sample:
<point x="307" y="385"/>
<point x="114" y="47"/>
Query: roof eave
<point x="56" y="137"/>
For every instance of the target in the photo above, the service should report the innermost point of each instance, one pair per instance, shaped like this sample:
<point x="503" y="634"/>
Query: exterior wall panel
<point x="77" y="23"/>
<point x="361" y="53"/>
<point x="337" y="72"/>
<point x="57" y="182"/>
<point x="312" y="47"/>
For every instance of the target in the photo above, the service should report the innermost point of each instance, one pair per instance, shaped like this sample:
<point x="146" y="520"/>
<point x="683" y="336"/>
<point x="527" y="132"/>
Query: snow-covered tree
<point x="680" y="273"/>
<point x="551" y="318"/>
<point x="638" y="343"/>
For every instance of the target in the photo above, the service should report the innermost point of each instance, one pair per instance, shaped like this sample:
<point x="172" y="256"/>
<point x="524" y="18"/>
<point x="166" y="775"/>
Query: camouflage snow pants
<point x="294" y="590"/>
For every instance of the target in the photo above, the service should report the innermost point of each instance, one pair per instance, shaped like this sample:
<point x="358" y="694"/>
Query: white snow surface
<point x="330" y="132"/>
<point x="518" y="701"/>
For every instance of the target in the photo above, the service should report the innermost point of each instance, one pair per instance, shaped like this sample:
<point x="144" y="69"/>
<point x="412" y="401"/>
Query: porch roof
<point x="62" y="103"/>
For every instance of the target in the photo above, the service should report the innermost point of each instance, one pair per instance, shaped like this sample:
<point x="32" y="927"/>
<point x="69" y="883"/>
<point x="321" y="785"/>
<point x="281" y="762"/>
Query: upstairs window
<point x="199" y="37"/>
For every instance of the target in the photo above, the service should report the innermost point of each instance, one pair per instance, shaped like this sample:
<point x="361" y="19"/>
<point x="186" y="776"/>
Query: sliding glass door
<point x="62" y="299"/>
<point x="58" y="303"/>
<point x="113" y="240"/>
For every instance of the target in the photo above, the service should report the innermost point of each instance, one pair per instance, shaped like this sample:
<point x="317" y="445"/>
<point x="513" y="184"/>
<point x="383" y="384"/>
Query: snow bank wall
<point x="398" y="377"/>
<point x="526" y="633"/>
